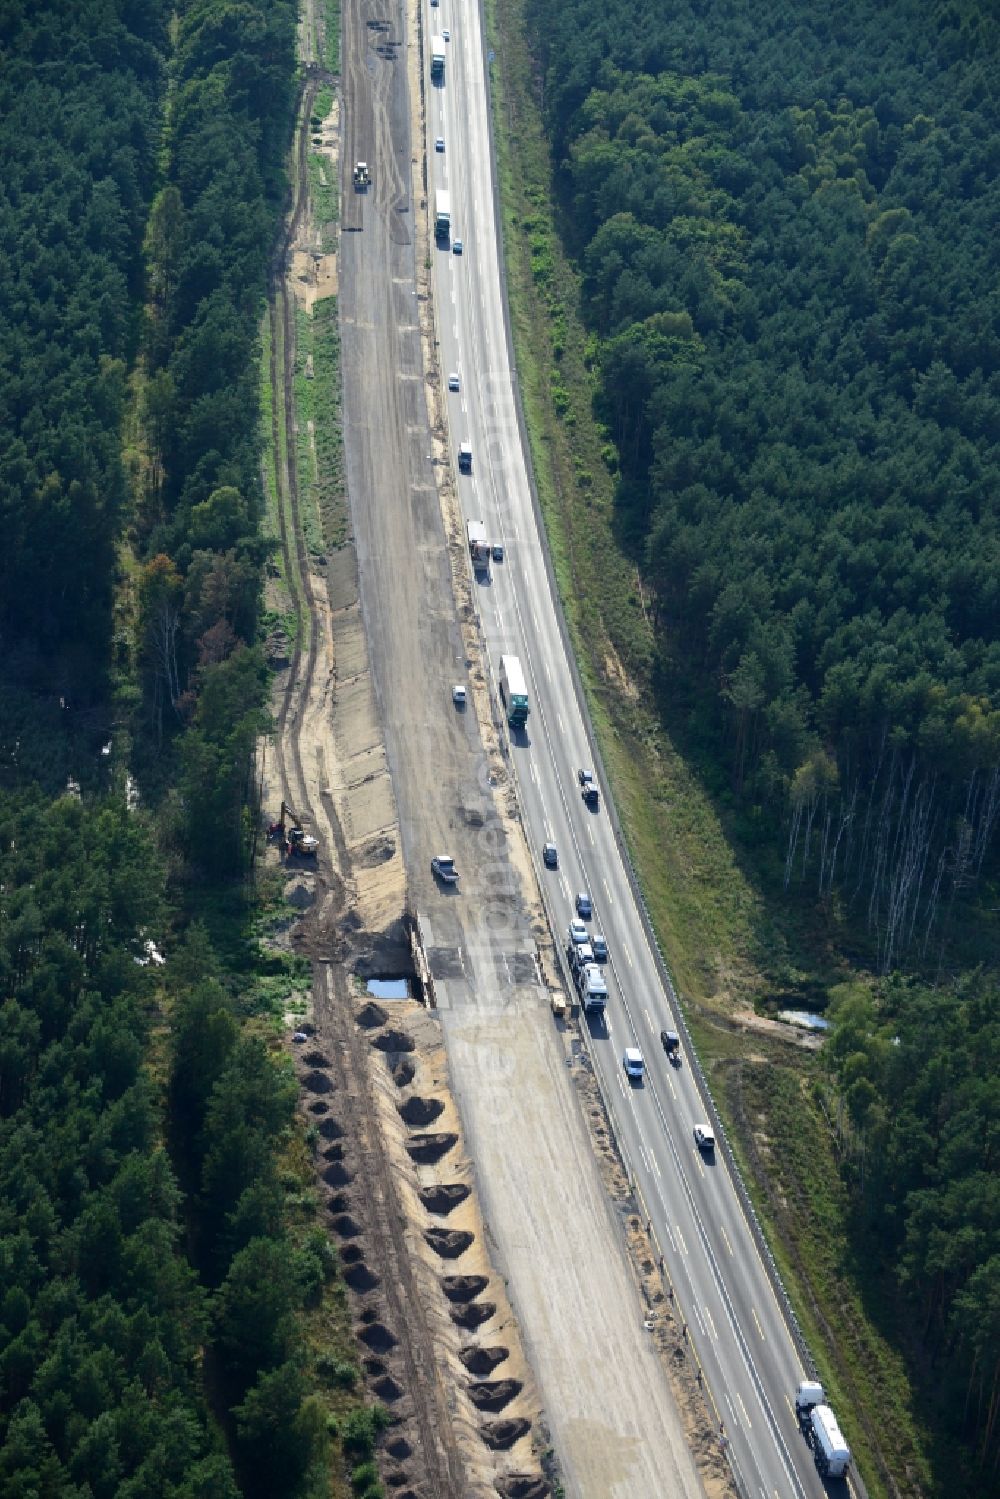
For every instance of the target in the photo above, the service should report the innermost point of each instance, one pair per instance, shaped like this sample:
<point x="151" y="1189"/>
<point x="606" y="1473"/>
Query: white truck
<point x="479" y="546"/>
<point x="437" y="57"/>
<point x="442" y="214"/>
<point x="819" y="1426"/>
<point x="513" y="691"/>
<point x="593" y="989"/>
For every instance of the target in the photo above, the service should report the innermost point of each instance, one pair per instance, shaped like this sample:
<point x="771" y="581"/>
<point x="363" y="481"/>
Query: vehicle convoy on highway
<point x="821" y="1431"/>
<point x="711" y="1248"/>
<point x="513" y="691"/>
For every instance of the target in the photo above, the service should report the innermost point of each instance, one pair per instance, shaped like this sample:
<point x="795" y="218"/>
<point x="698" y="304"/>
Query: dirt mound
<point x="387" y="1388"/>
<point x="464" y="1287"/>
<point x="494" y="1394"/>
<point x="377" y="1337"/>
<point x="300" y="894"/>
<point x="394" y="1040"/>
<point x="315" y="1059"/>
<point x="360" y="1278"/>
<point x="443" y="1200"/>
<point x="337" y="1175"/>
<point x="371" y="1016"/>
<point x="334" y="1152"/>
<point x="328" y="1128"/>
<point x="473" y="1315"/>
<point x="319" y="1107"/>
<point x="449" y="1243"/>
<point x="426" y="1149"/>
<point x="379" y="851"/>
<point x="399" y="1448"/>
<point x="483" y="1361"/>
<point x="499" y="1435"/>
<point x="522" y="1486"/>
<point x="345" y="1227"/>
<point x="317" y="1082"/>
<point x="419" y="1112"/>
<point x="403" y="1074"/>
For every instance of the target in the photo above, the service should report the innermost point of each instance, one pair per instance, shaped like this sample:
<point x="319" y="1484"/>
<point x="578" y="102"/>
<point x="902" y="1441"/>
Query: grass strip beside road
<point x="723" y="941"/>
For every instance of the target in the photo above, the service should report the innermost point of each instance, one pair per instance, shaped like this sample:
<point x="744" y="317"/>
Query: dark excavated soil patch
<point x="396" y="1480"/>
<point x="393" y="1040"/>
<point x="483" y="1361"/>
<point x="345" y="1226"/>
<point x="522" y="1486"/>
<point x="337" y="1175"/>
<point x="419" y="1112"/>
<point x="387" y="1388"/>
<point x="494" y="1394"/>
<point x="473" y="1315"/>
<point x="403" y="1073"/>
<point x="426" y="1149"/>
<point x="399" y="1448"/>
<point x="371" y="1016"/>
<point x="360" y="1278"/>
<point x="351" y="1253"/>
<point x="443" y="1200"/>
<point x="374" y="1366"/>
<point x="334" y="1152"/>
<point x="339" y="1202"/>
<point x="499" y="1435"/>
<point x="317" y="1082"/>
<point x="315" y="1059"/>
<point x="449" y="1243"/>
<point x="377" y="1337"/>
<point x="319" y="1107"/>
<point x="464" y="1287"/>
<point x="370" y="1314"/>
<point x="329" y="1128"/>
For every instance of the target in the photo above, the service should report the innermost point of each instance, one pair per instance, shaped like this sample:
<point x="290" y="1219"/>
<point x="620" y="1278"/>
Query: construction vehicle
<point x="293" y="839"/>
<point x="362" y="177"/>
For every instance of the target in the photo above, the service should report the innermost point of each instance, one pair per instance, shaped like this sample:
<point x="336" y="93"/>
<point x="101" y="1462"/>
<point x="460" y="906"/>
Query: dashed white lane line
<point x="590" y="833"/>
<point x="607" y="891"/>
<point x="759" y="1328"/>
<point x="627" y="955"/>
<point x="722" y="1229"/>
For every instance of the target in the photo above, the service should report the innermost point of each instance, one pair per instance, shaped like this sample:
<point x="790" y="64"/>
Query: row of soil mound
<point x="467" y="1307"/>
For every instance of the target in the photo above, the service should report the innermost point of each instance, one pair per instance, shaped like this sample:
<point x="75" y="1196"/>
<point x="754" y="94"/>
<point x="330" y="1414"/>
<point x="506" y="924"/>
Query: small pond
<point x="805" y="1019"/>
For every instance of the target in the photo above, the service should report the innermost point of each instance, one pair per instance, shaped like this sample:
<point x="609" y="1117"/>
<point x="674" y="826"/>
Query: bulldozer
<point x="293" y="839"/>
<point x="362" y="176"/>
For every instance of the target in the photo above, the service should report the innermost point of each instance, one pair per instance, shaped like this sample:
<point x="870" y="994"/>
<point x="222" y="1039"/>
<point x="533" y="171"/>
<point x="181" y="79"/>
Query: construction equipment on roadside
<point x="362" y="176"/>
<point x="294" y="839"/>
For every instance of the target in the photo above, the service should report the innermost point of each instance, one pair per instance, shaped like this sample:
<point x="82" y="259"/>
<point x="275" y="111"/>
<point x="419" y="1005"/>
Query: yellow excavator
<point x="291" y="835"/>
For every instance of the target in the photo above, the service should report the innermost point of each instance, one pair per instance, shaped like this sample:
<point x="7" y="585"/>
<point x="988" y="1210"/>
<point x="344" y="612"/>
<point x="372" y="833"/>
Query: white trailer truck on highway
<point x="437" y="56"/>
<point x="479" y="546"/>
<point x="820" y="1428"/>
<point x="513" y="691"/>
<point x="442" y="214"/>
<point x="593" y="988"/>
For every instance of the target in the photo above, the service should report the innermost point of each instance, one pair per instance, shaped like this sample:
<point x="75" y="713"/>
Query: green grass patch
<point x="303" y="388"/>
<point x="324" y="191"/>
<point x="331" y="35"/>
<point x="330" y="496"/>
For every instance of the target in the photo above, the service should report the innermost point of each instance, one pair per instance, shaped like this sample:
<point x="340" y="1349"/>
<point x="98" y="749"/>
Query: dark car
<point x="550" y="856"/>
<point x="584" y="908"/>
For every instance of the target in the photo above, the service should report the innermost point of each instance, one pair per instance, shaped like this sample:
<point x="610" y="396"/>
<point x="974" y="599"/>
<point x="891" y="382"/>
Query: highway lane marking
<point x="670" y="1236"/>
<point x="628" y="955"/>
<point x="759" y="1328"/>
<point x="722" y="1230"/>
<point x="670" y="1084"/>
<point x="562" y="726"/>
<point x="655" y="1163"/>
<point x="789" y="1404"/>
<point x="590" y="832"/>
<point x="711" y="1324"/>
<point x="532" y="767"/>
<point x="698" y="1318"/>
<point x="746" y="1414"/>
<point x="649" y="1019"/>
<point x="680" y="1240"/>
<point x="607" y="891"/>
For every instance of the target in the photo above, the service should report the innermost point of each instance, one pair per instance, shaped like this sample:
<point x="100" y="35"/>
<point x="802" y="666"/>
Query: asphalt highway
<point x="734" y="1316"/>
